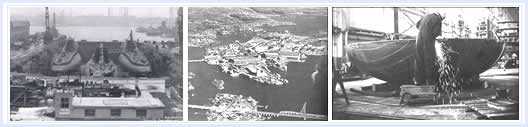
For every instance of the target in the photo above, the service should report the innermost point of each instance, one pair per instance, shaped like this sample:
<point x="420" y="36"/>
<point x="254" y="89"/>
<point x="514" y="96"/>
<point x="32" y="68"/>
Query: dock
<point x="196" y="61"/>
<point x="273" y="114"/>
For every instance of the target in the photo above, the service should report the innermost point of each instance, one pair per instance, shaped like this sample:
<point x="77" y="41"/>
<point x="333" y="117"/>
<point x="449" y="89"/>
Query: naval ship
<point x="68" y="58"/>
<point x="25" y="46"/>
<point x="99" y="64"/>
<point x="133" y="59"/>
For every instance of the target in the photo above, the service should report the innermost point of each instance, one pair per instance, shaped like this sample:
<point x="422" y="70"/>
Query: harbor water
<point x="290" y="97"/>
<point x="100" y="33"/>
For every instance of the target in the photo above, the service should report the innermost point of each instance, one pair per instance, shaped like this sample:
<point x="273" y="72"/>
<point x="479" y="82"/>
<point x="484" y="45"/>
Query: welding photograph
<point x="95" y="63"/>
<point x="425" y="63"/>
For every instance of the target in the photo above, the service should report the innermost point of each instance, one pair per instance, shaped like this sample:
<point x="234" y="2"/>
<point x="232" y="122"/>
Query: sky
<point x="93" y="11"/>
<point x="381" y="19"/>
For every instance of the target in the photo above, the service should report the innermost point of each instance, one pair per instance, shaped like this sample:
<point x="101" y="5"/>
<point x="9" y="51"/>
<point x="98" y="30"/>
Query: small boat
<point x="219" y="84"/>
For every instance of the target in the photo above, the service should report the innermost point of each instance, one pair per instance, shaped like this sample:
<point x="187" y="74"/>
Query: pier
<point x="272" y="114"/>
<point x="196" y="61"/>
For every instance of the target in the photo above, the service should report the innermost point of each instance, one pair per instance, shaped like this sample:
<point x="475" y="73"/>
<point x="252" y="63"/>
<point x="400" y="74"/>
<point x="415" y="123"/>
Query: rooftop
<point x="128" y="102"/>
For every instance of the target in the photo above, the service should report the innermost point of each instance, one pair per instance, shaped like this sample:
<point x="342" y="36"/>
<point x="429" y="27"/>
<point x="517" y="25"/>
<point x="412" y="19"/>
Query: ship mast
<point x="101" y="57"/>
<point x="46" y="19"/>
<point x="130" y="36"/>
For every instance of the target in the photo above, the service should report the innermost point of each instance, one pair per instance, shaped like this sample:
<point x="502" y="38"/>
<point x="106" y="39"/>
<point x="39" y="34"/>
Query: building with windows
<point x="145" y="107"/>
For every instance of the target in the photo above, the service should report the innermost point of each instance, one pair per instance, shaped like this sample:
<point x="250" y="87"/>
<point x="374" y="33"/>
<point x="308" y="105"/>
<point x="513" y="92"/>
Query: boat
<point x="132" y="59"/>
<point x="68" y="58"/>
<point x="392" y="60"/>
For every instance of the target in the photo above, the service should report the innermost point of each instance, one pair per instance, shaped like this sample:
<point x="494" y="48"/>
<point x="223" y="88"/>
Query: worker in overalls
<point x="429" y="27"/>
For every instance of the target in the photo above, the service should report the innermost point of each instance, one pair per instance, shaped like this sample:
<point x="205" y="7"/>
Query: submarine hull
<point x="125" y="62"/>
<point x="393" y="60"/>
<point x="74" y="62"/>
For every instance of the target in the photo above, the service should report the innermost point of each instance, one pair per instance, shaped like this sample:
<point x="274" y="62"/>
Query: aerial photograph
<point x="425" y="63"/>
<point x="95" y="63"/>
<point x="258" y="63"/>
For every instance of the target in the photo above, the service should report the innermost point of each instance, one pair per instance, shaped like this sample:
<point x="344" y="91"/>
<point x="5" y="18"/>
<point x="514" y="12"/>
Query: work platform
<point x="366" y="104"/>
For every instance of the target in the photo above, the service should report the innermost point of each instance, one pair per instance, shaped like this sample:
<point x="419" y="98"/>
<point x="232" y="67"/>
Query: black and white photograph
<point x="95" y="63"/>
<point x="258" y="63"/>
<point x="425" y="63"/>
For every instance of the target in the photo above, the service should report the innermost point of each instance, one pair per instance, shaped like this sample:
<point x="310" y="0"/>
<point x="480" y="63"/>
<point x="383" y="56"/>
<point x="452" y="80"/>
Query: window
<point x="141" y="113"/>
<point x="89" y="112"/>
<point x="115" y="112"/>
<point x="65" y="102"/>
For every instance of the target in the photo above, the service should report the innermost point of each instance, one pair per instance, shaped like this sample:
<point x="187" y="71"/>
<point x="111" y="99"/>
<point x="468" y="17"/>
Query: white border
<point x="522" y="64"/>
<point x="185" y="69"/>
<point x="6" y="69"/>
<point x="330" y="5"/>
<point x="329" y="56"/>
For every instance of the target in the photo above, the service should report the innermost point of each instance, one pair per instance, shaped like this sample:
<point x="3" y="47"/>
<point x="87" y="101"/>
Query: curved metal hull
<point x="393" y="60"/>
<point x="74" y="62"/>
<point x="129" y="65"/>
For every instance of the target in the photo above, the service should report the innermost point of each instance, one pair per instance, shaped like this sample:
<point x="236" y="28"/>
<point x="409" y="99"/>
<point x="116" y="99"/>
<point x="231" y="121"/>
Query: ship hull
<point x="74" y="62"/>
<point x="393" y="60"/>
<point x="129" y="65"/>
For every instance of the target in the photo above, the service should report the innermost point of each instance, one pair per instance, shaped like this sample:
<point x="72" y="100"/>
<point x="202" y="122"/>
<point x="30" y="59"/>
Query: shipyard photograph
<point x="95" y="63"/>
<point x="258" y="64"/>
<point x="420" y="63"/>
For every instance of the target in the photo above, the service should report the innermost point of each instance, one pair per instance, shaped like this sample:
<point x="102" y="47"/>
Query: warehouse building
<point x="145" y="107"/>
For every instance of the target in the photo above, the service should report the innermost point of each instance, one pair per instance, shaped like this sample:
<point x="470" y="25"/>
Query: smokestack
<point x="179" y="23"/>
<point x="130" y="36"/>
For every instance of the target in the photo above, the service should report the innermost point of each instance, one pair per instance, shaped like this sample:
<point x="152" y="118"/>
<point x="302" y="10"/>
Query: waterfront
<point x="268" y="54"/>
<point x="288" y="98"/>
<point x="100" y="71"/>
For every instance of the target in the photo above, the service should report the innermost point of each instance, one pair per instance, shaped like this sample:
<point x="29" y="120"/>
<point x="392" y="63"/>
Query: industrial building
<point x="69" y="107"/>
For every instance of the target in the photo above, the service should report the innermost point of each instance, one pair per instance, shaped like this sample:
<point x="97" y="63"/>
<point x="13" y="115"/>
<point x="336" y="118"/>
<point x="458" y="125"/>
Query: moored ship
<point x="132" y="59"/>
<point x="68" y="58"/>
<point x="99" y="65"/>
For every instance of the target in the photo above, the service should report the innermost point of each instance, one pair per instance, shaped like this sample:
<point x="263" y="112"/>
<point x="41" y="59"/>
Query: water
<point x="94" y="33"/>
<point x="288" y="98"/>
<point x="305" y="25"/>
